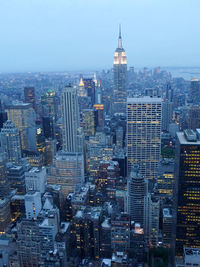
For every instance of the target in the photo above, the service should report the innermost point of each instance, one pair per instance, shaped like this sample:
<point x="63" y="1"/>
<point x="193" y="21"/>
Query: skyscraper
<point x="195" y="91"/>
<point x="29" y="96"/>
<point x="120" y="78"/>
<point x="71" y="119"/>
<point x="144" y="134"/>
<point x="10" y="142"/>
<point x="187" y="191"/>
<point x="137" y="190"/>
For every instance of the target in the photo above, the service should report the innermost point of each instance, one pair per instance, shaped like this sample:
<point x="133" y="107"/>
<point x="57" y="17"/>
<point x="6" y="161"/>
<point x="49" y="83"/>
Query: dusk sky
<point x="64" y="35"/>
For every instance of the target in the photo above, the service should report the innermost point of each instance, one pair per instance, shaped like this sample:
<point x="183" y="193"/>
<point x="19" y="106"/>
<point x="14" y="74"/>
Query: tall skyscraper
<point x="23" y="116"/>
<point x="167" y="108"/>
<point x="71" y="119"/>
<point x="137" y="190"/>
<point x="144" y="134"/>
<point x="187" y="191"/>
<point x="195" y="91"/>
<point x="120" y="78"/>
<point x="29" y="96"/>
<point x="10" y="142"/>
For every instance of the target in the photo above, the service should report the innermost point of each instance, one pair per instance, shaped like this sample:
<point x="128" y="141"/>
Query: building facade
<point x="144" y="134"/>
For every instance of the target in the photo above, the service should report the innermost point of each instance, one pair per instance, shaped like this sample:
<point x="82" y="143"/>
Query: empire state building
<point x="120" y="78"/>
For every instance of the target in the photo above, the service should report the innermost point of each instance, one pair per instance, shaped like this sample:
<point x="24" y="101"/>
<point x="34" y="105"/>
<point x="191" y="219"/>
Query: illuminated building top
<point x="120" y="54"/>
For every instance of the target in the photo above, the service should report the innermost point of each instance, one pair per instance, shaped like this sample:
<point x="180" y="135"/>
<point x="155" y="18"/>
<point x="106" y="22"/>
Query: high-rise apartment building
<point x="120" y="78"/>
<point x="29" y="96"/>
<point x="71" y="119"/>
<point x="187" y="191"/>
<point x="10" y="142"/>
<point x="144" y="134"/>
<point x="23" y="116"/>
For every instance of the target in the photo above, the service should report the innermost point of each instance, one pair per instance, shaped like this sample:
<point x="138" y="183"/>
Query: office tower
<point x="67" y="171"/>
<point x="50" y="105"/>
<point x="98" y="93"/>
<point x="169" y="93"/>
<point x="33" y="204"/>
<point x="89" y="123"/>
<point x="187" y="190"/>
<point x="120" y="78"/>
<point x="71" y="119"/>
<point x="99" y="115"/>
<point x="167" y="108"/>
<point x="5" y="217"/>
<point x="4" y="185"/>
<point x="167" y="112"/>
<point x="195" y="91"/>
<point x="23" y="116"/>
<point x="137" y="189"/>
<point x="3" y="116"/>
<point x="29" y="96"/>
<point x="35" y="179"/>
<point x="89" y="85"/>
<point x="10" y="142"/>
<point x="144" y="134"/>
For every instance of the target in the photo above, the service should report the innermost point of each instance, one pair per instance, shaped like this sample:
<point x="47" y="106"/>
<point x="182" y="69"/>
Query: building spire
<point x="120" y="37"/>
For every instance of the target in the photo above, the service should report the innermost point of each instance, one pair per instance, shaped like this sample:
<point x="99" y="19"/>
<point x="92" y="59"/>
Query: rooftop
<point x="145" y="99"/>
<point x="184" y="141"/>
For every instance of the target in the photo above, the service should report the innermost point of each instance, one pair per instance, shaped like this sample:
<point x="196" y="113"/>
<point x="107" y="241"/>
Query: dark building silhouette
<point x="3" y="116"/>
<point x="89" y="85"/>
<point x="48" y="127"/>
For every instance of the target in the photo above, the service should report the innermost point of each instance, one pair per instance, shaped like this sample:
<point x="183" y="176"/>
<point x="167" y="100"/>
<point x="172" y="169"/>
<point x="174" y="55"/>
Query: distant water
<point x="187" y="73"/>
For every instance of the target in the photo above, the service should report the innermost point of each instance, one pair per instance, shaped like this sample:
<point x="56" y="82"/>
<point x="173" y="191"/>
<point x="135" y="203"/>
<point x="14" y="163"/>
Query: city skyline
<point x="62" y="36"/>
